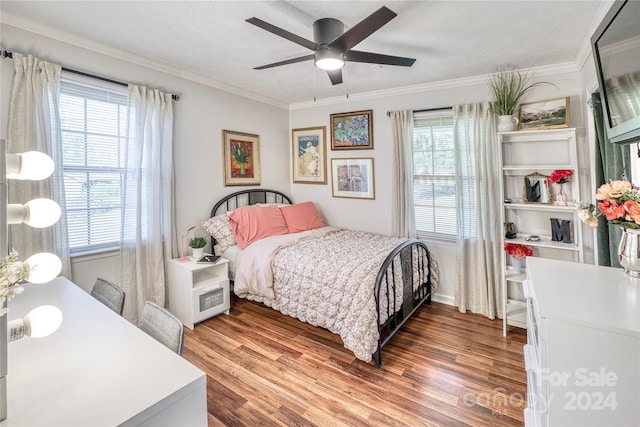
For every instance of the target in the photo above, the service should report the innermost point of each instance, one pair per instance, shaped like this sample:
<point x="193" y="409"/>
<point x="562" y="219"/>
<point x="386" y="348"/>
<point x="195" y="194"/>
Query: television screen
<point x="616" y="48"/>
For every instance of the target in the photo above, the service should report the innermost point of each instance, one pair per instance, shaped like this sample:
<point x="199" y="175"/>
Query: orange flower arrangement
<point x="619" y="203"/>
<point x="517" y="250"/>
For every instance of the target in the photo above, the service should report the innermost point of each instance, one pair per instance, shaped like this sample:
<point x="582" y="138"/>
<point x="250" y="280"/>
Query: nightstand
<point x="198" y="291"/>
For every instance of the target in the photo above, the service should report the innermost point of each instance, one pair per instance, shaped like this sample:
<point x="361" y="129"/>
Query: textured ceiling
<point x="210" y="40"/>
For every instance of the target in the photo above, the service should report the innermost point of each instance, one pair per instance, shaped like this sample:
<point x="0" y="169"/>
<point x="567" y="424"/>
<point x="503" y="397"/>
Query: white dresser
<point x="583" y="351"/>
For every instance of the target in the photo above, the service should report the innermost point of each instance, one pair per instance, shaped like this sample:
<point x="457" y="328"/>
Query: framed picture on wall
<point x="352" y="131"/>
<point x="241" y="154"/>
<point x="547" y="114"/>
<point x="352" y="178"/>
<point x="309" y="155"/>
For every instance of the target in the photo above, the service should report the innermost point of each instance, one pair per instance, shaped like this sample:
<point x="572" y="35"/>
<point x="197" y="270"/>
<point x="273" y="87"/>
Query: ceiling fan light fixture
<point x="329" y="60"/>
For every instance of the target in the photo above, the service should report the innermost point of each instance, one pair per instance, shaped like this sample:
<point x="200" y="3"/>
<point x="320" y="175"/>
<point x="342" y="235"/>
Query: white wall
<point x="375" y="215"/>
<point x="200" y="116"/>
<point x="203" y="112"/>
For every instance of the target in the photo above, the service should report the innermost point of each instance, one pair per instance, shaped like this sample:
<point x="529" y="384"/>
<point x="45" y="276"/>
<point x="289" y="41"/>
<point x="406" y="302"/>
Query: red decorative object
<point x="517" y="250"/>
<point x="560" y="176"/>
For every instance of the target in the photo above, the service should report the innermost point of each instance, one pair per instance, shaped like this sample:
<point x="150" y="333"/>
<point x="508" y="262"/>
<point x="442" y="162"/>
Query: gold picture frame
<point x="309" y="155"/>
<point x="353" y="178"/>
<point x="546" y="114"/>
<point x="352" y="131"/>
<point x="241" y="154"/>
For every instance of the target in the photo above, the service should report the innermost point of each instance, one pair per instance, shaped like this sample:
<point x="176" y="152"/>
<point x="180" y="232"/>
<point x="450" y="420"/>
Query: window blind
<point x="434" y="186"/>
<point x="93" y="126"/>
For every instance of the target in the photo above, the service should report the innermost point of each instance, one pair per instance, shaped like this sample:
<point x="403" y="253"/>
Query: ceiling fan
<point x="332" y="45"/>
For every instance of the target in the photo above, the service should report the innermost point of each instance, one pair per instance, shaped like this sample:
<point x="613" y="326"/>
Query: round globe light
<point x="44" y="320"/>
<point x="35" y="165"/>
<point x="40" y="213"/>
<point x="43" y="267"/>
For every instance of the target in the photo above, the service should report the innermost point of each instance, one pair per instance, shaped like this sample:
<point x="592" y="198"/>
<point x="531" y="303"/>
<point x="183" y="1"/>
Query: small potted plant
<point x="508" y="85"/>
<point x="197" y="244"/>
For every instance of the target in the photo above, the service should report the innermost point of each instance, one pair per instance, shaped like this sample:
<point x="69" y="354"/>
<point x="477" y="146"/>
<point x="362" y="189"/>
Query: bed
<point x="362" y="286"/>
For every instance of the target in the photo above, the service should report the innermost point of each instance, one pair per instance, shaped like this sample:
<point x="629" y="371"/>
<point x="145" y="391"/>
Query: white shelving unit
<point x="524" y="153"/>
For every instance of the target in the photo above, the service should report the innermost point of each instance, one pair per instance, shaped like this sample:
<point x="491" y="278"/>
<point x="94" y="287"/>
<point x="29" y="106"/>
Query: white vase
<point x="197" y="253"/>
<point x="516" y="264"/>
<point x="507" y="123"/>
<point x="561" y="196"/>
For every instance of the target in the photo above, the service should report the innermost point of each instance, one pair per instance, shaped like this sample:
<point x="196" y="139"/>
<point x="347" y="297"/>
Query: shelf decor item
<point x="518" y="253"/>
<point x="560" y="230"/>
<point x="619" y="202"/>
<point x="508" y="85"/>
<point x="560" y="177"/>
<point x="547" y="114"/>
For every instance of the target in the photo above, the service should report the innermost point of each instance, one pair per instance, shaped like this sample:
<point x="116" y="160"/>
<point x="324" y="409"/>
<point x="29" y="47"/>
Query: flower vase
<point x="629" y="251"/>
<point x="516" y="264"/>
<point x="507" y="123"/>
<point x="561" y="197"/>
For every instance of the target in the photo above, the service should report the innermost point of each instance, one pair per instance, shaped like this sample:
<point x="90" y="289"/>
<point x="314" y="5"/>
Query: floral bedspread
<point x="326" y="279"/>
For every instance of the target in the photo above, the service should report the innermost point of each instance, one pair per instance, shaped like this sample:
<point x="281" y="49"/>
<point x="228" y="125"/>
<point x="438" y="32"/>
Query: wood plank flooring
<point x="444" y="368"/>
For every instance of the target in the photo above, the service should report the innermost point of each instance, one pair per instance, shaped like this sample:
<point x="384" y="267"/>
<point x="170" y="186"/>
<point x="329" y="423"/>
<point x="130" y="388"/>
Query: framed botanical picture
<point x="352" y="131"/>
<point x="547" y="114"/>
<point x="309" y="155"/>
<point x="241" y="158"/>
<point x="352" y="178"/>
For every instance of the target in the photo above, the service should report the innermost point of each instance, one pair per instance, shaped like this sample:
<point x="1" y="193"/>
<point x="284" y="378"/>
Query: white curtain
<point x="403" y="214"/>
<point x="148" y="220"/>
<point x="34" y="125"/>
<point x="478" y="276"/>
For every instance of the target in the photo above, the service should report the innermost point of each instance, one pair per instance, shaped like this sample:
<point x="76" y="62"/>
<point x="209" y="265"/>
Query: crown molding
<point x="584" y="53"/>
<point x="547" y="70"/>
<point x="65" y="37"/>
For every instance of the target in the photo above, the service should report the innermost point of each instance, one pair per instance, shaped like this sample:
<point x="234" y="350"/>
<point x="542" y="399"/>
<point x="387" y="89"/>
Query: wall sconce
<point x="182" y="246"/>
<point x="38" y="323"/>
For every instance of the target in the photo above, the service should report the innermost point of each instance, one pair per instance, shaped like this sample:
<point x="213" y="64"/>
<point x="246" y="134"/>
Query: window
<point x="93" y="126"/>
<point x="434" y="182"/>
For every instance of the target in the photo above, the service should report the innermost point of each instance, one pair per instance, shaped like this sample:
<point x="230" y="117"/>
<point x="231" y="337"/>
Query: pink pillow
<point x="302" y="217"/>
<point x="252" y="223"/>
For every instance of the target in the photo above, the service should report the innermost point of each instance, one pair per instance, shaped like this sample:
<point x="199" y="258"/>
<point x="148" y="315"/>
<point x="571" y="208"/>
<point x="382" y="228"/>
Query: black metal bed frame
<point x="412" y="256"/>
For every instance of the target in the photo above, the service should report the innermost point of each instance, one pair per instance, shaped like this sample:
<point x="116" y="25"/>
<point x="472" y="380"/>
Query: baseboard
<point x="444" y="299"/>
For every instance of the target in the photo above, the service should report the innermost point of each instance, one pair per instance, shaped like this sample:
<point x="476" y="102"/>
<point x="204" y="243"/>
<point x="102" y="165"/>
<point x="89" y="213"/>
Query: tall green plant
<point x="508" y="85"/>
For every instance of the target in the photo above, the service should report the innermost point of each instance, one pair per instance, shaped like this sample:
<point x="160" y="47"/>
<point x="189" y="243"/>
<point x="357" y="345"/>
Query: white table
<point x="97" y="369"/>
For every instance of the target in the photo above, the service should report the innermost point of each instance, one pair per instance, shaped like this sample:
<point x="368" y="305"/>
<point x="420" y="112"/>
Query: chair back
<point x="159" y="323"/>
<point x="109" y="294"/>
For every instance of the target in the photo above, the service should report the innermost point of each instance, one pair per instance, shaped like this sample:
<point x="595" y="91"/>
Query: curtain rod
<point x="7" y="54"/>
<point x="425" y="110"/>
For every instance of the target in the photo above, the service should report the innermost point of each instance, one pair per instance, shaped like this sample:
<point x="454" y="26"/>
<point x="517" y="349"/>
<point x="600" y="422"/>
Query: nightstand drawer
<point x="210" y="298"/>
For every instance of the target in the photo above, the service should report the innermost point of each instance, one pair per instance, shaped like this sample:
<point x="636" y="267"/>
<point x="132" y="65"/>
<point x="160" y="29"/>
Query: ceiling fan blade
<point x="335" y="76"/>
<point x="288" y="61"/>
<point x="376" y="58"/>
<point x="283" y="33"/>
<point x="363" y="29"/>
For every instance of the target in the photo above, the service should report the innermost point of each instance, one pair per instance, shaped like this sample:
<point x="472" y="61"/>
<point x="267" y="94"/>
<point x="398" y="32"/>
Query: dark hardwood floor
<point x="444" y="368"/>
